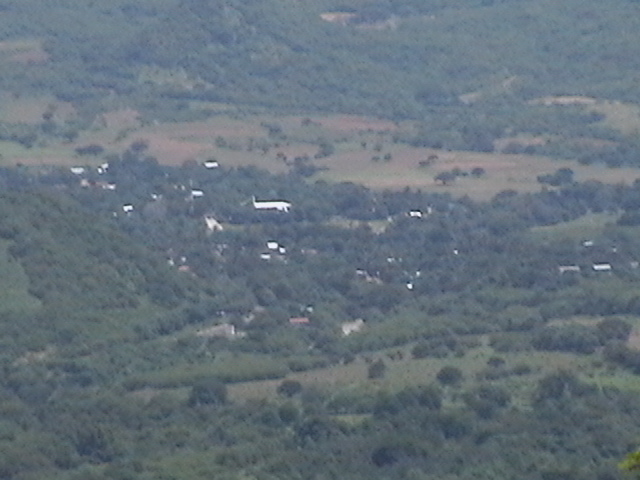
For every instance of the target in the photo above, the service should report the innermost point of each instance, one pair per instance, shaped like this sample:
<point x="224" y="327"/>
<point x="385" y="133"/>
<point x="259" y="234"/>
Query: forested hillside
<point x="157" y="333"/>
<point x="467" y="67"/>
<point x="169" y="309"/>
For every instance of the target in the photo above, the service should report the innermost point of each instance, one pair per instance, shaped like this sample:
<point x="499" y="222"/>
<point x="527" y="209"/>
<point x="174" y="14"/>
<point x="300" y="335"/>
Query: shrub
<point x="449" y="375"/>
<point x="289" y="388"/>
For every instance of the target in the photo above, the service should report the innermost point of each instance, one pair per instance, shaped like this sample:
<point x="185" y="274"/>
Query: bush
<point x="377" y="369"/>
<point x="449" y="375"/>
<point x="613" y="329"/>
<point x="93" y="149"/>
<point x="572" y="338"/>
<point x="289" y="388"/>
<point x="208" y="391"/>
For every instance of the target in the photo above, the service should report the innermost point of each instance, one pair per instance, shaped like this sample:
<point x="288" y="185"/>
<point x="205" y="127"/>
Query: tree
<point x="289" y="388"/>
<point x="377" y="369"/>
<point x="631" y="462"/>
<point x="325" y="149"/>
<point x="92" y="149"/>
<point x="613" y="329"/>
<point x="477" y="172"/>
<point x="208" y="391"/>
<point x="445" y="178"/>
<point x="449" y="375"/>
<point x="562" y="176"/>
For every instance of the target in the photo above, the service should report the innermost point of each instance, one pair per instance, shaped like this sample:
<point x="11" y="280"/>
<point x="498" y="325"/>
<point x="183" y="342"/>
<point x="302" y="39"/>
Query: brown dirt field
<point x="24" y="51"/>
<point x="210" y="129"/>
<point x="174" y="143"/>
<point x="65" y="160"/>
<point x="351" y="123"/>
<point x="503" y="171"/>
<point x="25" y="110"/>
<point x="37" y="55"/>
<point x="13" y="46"/>
<point x="32" y="56"/>
<point x="125" y="118"/>
<point x="634" y="339"/>
<point x="295" y="150"/>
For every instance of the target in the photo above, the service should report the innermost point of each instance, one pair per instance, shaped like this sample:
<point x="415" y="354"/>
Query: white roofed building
<point x="278" y="205"/>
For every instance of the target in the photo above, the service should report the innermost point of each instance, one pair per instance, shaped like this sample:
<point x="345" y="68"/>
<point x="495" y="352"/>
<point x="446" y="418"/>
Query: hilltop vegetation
<point x="467" y="72"/>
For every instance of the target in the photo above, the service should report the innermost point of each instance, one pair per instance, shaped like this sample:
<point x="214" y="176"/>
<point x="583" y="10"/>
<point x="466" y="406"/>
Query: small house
<point x="352" y="327"/>
<point x="569" y="268"/>
<point x="77" y="170"/>
<point x="224" y="330"/>
<point x="211" y="164"/>
<point x="127" y="208"/>
<point x="299" y="321"/>
<point x="277" y="205"/>
<point x="602" y="267"/>
<point x="212" y="224"/>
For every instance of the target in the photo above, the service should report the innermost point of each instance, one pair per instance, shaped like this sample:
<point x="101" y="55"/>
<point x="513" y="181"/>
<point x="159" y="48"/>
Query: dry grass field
<point x="502" y="171"/>
<point x="364" y="149"/>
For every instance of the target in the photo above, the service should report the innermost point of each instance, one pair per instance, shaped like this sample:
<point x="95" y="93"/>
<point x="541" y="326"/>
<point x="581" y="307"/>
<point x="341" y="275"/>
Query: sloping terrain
<point x="74" y="276"/>
<point x="283" y="54"/>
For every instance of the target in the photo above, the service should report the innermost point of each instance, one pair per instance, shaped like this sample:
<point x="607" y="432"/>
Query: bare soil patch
<point x="30" y="110"/>
<point x="24" y="51"/>
<point x="354" y="123"/>
<point x="565" y="100"/>
<point x="125" y="118"/>
<point x="210" y="129"/>
<point x="171" y="151"/>
<point x="634" y="339"/>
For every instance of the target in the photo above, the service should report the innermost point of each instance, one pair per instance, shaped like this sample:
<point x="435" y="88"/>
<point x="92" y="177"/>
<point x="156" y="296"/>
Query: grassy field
<point x="364" y="150"/>
<point x="341" y="379"/>
<point x="586" y="226"/>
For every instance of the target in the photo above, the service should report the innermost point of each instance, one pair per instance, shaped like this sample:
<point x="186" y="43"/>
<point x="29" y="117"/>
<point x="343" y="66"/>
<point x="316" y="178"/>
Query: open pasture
<point x="585" y="227"/>
<point x="405" y="372"/>
<point x="362" y="149"/>
<point x="501" y="171"/>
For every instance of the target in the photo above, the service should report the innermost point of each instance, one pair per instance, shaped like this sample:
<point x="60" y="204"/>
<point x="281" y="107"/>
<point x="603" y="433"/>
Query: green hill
<point x="395" y="59"/>
<point x="74" y="275"/>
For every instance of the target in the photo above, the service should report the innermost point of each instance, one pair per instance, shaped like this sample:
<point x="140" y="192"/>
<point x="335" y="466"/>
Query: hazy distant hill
<point x="389" y="58"/>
